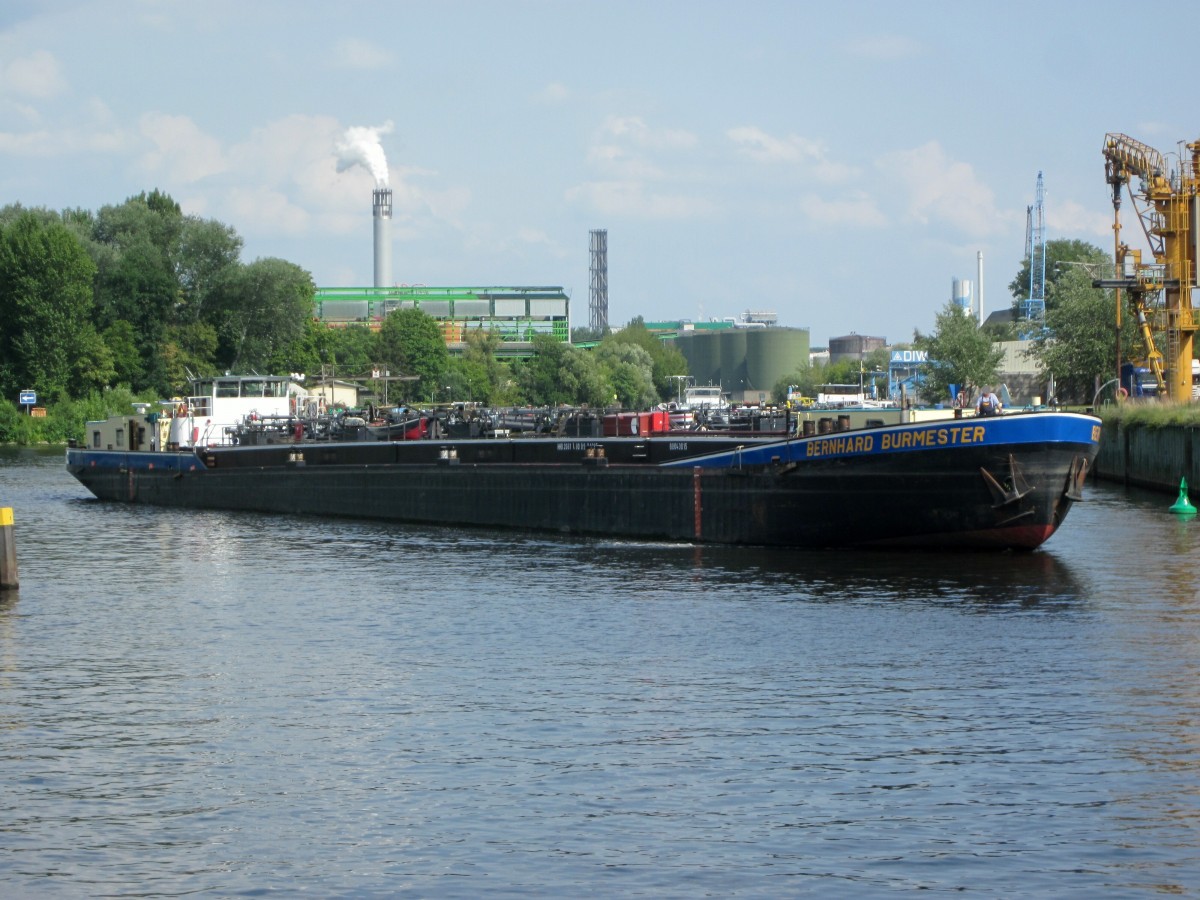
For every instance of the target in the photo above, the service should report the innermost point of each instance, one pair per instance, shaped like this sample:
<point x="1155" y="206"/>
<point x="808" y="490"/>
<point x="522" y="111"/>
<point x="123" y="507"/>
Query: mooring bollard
<point x="8" y="551"/>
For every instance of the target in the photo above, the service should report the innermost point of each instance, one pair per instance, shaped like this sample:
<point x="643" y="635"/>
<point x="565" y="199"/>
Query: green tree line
<point x="131" y="300"/>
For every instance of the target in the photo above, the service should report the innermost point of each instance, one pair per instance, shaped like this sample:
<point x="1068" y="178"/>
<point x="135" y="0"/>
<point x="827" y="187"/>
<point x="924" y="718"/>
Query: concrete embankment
<point x="1149" y="457"/>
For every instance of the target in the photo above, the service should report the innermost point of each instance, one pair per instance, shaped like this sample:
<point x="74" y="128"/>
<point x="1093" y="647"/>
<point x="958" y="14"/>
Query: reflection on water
<point x="232" y="704"/>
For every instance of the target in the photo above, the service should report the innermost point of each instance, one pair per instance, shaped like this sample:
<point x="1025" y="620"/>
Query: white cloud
<point x="30" y="143"/>
<point x="621" y="162"/>
<point x="355" y="53"/>
<point x="553" y="93"/>
<point x="1072" y="218"/>
<point x="263" y="210"/>
<point x="37" y="75"/>
<point x="182" y="152"/>
<point x="295" y="156"/>
<point x="92" y="131"/>
<point x="532" y="236"/>
<point x="856" y="210"/>
<point x="448" y="205"/>
<point x="636" y="132"/>
<point x="633" y="160"/>
<point x="761" y="147"/>
<point x="942" y="191"/>
<point x="631" y="198"/>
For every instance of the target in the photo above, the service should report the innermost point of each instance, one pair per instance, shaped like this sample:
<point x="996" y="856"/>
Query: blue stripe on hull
<point x="1040" y="428"/>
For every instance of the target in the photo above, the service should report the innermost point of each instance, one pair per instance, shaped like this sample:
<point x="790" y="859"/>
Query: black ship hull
<point x="1001" y="483"/>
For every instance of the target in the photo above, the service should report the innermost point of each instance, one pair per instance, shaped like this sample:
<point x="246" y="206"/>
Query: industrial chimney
<point x="598" y="298"/>
<point x="382" y="208"/>
<point x="979" y="276"/>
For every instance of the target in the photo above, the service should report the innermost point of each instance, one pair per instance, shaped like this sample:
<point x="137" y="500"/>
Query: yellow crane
<point x="1161" y="292"/>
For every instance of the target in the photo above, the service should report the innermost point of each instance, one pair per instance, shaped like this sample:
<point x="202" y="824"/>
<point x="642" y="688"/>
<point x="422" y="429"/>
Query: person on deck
<point x="988" y="404"/>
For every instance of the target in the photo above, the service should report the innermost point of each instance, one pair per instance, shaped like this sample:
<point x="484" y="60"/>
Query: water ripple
<point x="238" y="705"/>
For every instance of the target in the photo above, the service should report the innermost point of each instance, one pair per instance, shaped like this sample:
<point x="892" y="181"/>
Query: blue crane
<point x="1033" y="307"/>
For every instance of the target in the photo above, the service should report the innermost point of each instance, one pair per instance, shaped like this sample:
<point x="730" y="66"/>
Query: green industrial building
<point x="515" y="314"/>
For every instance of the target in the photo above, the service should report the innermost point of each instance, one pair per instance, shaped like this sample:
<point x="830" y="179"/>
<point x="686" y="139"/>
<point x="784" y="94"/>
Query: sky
<point x="837" y="163"/>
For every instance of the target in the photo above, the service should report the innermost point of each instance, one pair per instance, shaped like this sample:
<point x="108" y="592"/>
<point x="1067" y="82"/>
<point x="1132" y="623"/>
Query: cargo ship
<point x="1005" y="482"/>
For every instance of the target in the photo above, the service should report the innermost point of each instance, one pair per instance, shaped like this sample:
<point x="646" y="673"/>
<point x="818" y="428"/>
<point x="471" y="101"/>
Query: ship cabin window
<point x="252" y="389"/>
<point x="95" y="440"/>
<point x="120" y="437"/>
<point x="227" y="388"/>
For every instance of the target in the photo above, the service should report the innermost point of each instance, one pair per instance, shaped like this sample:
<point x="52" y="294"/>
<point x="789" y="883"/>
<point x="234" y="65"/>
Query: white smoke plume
<point x="360" y="146"/>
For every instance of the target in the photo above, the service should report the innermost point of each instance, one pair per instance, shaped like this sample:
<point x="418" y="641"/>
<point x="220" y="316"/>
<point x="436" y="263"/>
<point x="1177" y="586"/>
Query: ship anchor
<point x="1076" y="479"/>
<point x="1014" y="489"/>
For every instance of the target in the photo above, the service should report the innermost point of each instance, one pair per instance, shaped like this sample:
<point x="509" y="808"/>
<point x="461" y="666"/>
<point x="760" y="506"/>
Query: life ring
<point x="1122" y="393"/>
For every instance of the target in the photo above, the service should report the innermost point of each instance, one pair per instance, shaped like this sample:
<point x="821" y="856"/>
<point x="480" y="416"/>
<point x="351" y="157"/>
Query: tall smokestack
<point x="360" y="146"/>
<point x="382" y="208"/>
<point x="979" y="278"/>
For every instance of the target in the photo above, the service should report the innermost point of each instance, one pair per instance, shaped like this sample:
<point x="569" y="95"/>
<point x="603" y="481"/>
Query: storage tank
<point x="960" y="293"/>
<point x="773" y="354"/>
<point x="733" y="360"/>
<point x="703" y="356"/>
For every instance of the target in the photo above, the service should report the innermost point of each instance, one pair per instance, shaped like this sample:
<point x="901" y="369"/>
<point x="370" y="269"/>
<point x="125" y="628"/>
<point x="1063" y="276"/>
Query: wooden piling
<point x="8" y="551"/>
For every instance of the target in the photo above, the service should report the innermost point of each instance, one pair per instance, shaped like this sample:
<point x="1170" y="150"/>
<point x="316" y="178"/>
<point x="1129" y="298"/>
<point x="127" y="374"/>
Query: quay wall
<point x="1154" y="458"/>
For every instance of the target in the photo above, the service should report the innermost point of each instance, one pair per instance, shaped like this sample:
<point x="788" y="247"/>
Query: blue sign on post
<point x="28" y="398"/>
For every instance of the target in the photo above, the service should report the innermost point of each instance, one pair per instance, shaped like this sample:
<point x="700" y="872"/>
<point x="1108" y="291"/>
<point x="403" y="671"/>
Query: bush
<point x="63" y="421"/>
<point x="1150" y="414"/>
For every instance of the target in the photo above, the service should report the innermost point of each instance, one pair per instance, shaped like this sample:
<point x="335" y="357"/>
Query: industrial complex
<point x="748" y="355"/>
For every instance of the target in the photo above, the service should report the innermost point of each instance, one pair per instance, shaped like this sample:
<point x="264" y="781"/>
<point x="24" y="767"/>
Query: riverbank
<point x="1148" y="454"/>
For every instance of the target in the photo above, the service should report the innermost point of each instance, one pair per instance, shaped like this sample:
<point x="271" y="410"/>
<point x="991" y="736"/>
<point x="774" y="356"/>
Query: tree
<point x="189" y="349"/>
<point x="561" y="374"/>
<point x="332" y="351"/>
<point x="666" y="360"/>
<point x="92" y="367"/>
<point x="260" y="309"/>
<point x="1079" y="344"/>
<point x="630" y="370"/>
<point x="122" y="345"/>
<point x="139" y="288"/>
<point x="47" y="340"/>
<point x="207" y="252"/>
<point x="804" y="379"/>
<point x="1061" y="257"/>
<point x="584" y="381"/>
<point x="960" y="354"/>
<point x="586" y="335"/>
<point x="411" y="343"/>
<point x="484" y="377"/>
<point x="133" y="246"/>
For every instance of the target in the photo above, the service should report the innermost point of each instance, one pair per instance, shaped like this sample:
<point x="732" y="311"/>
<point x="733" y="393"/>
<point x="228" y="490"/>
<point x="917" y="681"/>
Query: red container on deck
<point x="628" y="424"/>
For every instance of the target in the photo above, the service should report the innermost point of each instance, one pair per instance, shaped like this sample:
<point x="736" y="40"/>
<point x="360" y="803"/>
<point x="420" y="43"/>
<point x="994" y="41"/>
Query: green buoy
<point x="1183" y="506"/>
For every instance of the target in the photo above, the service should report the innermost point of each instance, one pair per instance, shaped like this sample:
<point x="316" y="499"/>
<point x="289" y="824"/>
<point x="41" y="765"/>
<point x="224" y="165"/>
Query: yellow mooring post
<point x="8" y="551"/>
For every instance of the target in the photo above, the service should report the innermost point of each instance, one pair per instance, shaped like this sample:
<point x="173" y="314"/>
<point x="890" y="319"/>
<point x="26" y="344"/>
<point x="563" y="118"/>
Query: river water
<point x="231" y="704"/>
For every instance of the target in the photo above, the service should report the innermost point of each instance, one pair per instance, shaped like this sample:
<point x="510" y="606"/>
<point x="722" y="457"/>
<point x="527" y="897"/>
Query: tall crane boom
<point x="1169" y="210"/>
<point x="1033" y="307"/>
